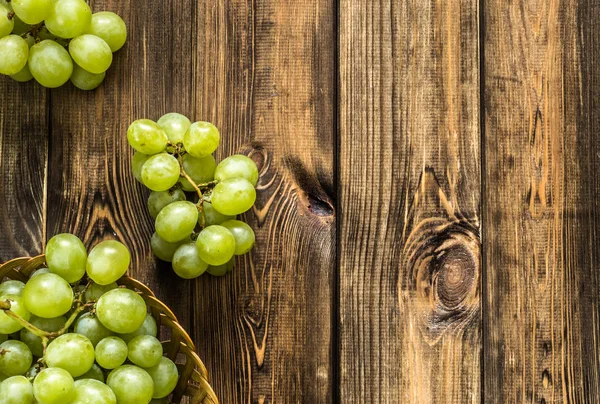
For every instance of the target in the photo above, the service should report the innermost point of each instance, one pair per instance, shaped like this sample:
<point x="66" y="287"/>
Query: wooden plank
<point x="23" y="162"/>
<point x="542" y="322"/>
<point x="265" y="76"/>
<point x="409" y="196"/>
<point x="91" y="190"/>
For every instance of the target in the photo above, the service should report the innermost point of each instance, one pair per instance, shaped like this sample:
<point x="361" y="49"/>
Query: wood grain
<point x="542" y="319"/>
<point x="409" y="195"/>
<point x="265" y="76"/>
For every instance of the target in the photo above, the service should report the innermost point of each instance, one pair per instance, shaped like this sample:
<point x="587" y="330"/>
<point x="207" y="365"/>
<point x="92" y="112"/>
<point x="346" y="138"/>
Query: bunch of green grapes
<point x="194" y="200"/>
<point x="71" y="335"/>
<point x="57" y="40"/>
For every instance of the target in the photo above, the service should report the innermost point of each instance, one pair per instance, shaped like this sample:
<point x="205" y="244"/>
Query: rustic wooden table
<point x="428" y="211"/>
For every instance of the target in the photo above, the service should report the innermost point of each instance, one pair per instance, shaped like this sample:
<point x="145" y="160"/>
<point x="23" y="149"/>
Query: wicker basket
<point x="193" y="384"/>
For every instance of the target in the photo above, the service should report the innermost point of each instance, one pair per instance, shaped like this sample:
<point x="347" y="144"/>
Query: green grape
<point x="201" y="170"/>
<point x="15" y="358"/>
<point x="50" y="64"/>
<point x="164" y="400"/>
<point x="20" y="27"/>
<point x="107" y="262"/>
<point x="111" y="352"/>
<point x="94" y="291"/>
<point x="48" y="296"/>
<point x="45" y="324"/>
<point x="176" y="221"/>
<point x="147" y="137"/>
<point x="16" y="390"/>
<point x="84" y="80"/>
<point x="233" y="196"/>
<point x="237" y="166"/>
<point x="121" y="310"/>
<point x="71" y="352"/>
<point x="66" y="256"/>
<point x="32" y="11"/>
<point x="95" y="373"/>
<point x="161" y="172"/>
<point x="23" y="76"/>
<point x="175" y="125"/>
<point x="144" y="351"/>
<point x="137" y="162"/>
<point x="201" y="139"/>
<point x="187" y="263"/>
<point x="69" y="18"/>
<point x="131" y="384"/>
<point x="158" y="200"/>
<point x="12" y="287"/>
<point x="213" y="216"/>
<point x="165" y="377"/>
<point x="110" y="27"/>
<point x="89" y="326"/>
<point x="40" y="272"/>
<point x="17" y="306"/>
<point x="149" y="327"/>
<point x="91" y="53"/>
<point x="243" y="234"/>
<point x="6" y="24"/>
<point x="89" y="391"/>
<point x="220" y="270"/>
<point x="163" y="249"/>
<point x="14" y="52"/>
<point x="215" y="245"/>
<point x="54" y="386"/>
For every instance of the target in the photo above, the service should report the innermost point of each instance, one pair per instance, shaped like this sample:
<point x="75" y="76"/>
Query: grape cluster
<point x="71" y="335"/>
<point x="57" y="40"/>
<point x="194" y="200"/>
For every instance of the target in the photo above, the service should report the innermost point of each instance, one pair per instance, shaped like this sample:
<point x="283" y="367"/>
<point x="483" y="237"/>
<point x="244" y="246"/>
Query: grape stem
<point x="11" y="15"/>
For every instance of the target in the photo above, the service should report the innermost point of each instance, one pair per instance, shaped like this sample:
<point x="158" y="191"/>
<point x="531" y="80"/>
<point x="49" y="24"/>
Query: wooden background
<point x="428" y="209"/>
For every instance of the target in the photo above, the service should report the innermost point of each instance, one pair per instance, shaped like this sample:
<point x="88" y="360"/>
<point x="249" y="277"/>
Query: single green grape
<point x="12" y="287"/>
<point x="237" y="166"/>
<point x="233" y="196"/>
<point x="165" y="377"/>
<point x="91" y="53"/>
<point x="95" y="373"/>
<point x="50" y="64"/>
<point x="221" y="270"/>
<point x="20" y="26"/>
<point x="54" y="386"/>
<point x="84" y="80"/>
<point x="176" y="221"/>
<point x="17" y="306"/>
<point x="45" y="324"/>
<point x="161" y="172"/>
<point x="89" y="391"/>
<point x="149" y="327"/>
<point x="131" y="384"/>
<point x="69" y="18"/>
<point x="243" y="234"/>
<point x="216" y="245"/>
<point x="66" y="256"/>
<point x="110" y="27"/>
<point x="121" y="310"/>
<point x="163" y="249"/>
<point x="89" y="326"/>
<point x="147" y="137"/>
<point x="137" y="163"/>
<point x="94" y="291"/>
<point x="16" y="390"/>
<point x="201" y="139"/>
<point x="159" y="199"/>
<point x="175" y="125"/>
<point x="15" y="358"/>
<point x="107" y="262"/>
<point x="23" y="76"/>
<point x="48" y="296"/>
<point x="71" y="352"/>
<point x="32" y="11"/>
<point x="144" y="351"/>
<point x="111" y="352"/>
<point x="187" y="263"/>
<point x="6" y="24"/>
<point x="14" y="52"/>
<point x="213" y="216"/>
<point x="201" y="170"/>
